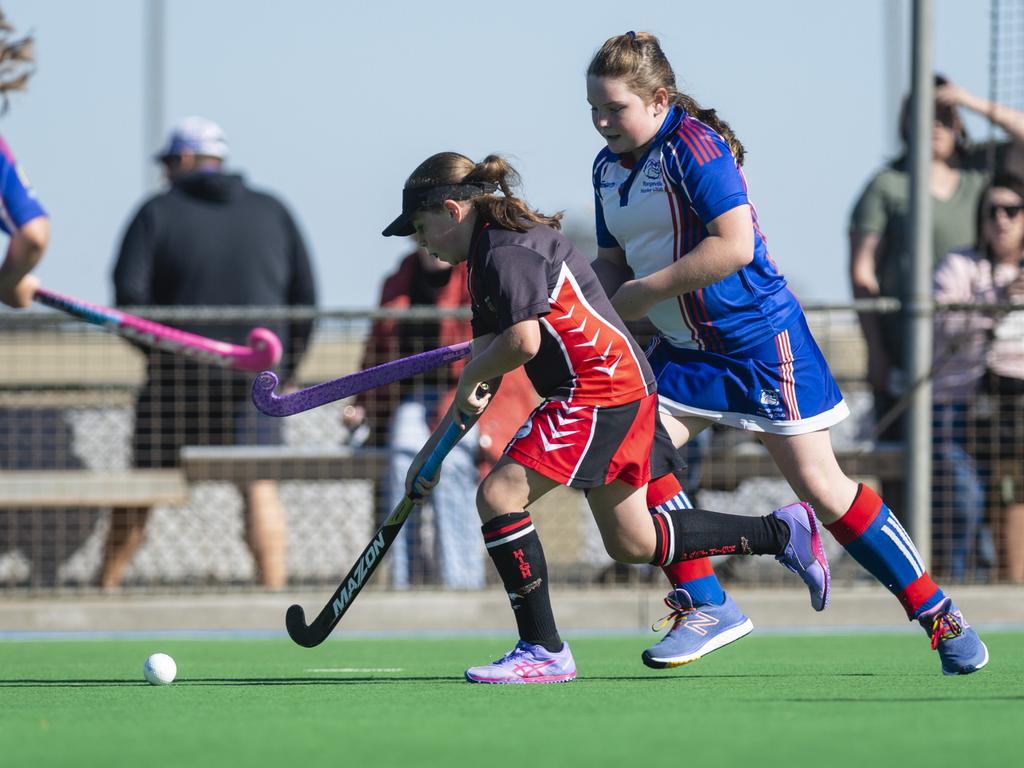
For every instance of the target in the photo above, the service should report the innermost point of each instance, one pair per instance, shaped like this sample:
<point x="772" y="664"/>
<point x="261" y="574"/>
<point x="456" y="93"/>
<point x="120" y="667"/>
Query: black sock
<point x="687" y="534"/>
<point x="514" y="546"/>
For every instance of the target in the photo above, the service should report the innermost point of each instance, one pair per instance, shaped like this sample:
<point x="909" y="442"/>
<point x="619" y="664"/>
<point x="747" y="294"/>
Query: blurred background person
<point x="879" y="231"/>
<point x="402" y="415"/>
<point x="209" y="240"/>
<point x="981" y="354"/>
<point x="30" y="438"/>
<point x="22" y="217"/>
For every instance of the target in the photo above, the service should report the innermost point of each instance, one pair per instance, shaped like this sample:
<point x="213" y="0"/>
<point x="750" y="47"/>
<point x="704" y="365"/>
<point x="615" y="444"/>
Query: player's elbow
<point x="34" y="236"/>
<point x="530" y="346"/>
<point x="742" y="251"/>
<point x="524" y="339"/>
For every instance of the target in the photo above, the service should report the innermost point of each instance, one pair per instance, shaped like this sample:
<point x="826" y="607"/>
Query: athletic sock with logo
<point x="874" y="538"/>
<point x="514" y="546"/>
<point x="697" y="577"/>
<point x="688" y="534"/>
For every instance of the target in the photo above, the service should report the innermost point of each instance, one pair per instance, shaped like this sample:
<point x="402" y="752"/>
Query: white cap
<point x="196" y="135"/>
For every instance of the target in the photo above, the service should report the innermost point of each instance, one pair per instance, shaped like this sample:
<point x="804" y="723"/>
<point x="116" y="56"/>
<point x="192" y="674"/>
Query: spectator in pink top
<point x="982" y="353"/>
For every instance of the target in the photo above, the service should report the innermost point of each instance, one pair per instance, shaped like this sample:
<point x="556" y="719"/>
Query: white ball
<point x="160" y="669"/>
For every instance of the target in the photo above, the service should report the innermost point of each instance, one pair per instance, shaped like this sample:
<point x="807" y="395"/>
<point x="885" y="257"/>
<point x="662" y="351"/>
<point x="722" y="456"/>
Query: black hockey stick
<point x="367" y="562"/>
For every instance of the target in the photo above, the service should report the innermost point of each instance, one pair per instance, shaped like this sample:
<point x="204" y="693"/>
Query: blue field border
<point x="438" y="634"/>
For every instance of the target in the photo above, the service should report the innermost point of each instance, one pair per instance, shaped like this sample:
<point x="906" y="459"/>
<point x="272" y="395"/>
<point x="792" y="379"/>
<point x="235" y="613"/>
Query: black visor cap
<point x="416" y="199"/>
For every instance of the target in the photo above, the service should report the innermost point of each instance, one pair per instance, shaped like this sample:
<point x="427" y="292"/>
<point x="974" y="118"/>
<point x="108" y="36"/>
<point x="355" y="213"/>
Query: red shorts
<point x="587" y="446"/>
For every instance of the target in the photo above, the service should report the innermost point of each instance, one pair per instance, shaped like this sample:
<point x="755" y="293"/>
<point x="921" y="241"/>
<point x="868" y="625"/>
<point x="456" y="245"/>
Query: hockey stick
<point x="320" y="394"/>
<point x="367" y="562"/>
<point x="264" y="348"/>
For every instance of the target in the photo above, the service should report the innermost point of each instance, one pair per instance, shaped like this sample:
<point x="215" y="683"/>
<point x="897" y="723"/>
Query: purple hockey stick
<point x="264" y="348"/>
<point x="320" y="394"/>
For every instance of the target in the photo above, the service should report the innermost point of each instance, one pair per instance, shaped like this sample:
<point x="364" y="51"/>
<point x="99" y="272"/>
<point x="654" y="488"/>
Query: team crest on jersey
<point x="524" y="430"/>
<point x="771" y="405"/>
<point x="652" y="168"/>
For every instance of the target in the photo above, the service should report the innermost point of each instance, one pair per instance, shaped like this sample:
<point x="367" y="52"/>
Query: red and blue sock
<point x="697" y="577"/>
<point x="874" y="538"/>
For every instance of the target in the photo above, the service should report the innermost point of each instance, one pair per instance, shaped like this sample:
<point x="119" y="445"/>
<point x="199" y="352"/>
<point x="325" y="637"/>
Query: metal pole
<point x="894" y="27"/>
<point x="920" y="304"/>
<point x="154" y="14"/>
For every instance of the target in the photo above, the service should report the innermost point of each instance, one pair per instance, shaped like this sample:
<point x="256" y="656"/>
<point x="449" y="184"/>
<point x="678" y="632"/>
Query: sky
<point x="331" y="104"/>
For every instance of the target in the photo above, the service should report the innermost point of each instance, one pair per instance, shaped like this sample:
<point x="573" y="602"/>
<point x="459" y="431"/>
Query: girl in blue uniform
<point x="21" y="215"/>
<point x="672" y="207"/>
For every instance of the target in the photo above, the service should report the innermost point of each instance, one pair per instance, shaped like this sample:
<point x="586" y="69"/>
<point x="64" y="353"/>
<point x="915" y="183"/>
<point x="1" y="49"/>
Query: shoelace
<point x="512" y="655"/>
<point x="946" y="626"/>
<point x="679" y="612"/>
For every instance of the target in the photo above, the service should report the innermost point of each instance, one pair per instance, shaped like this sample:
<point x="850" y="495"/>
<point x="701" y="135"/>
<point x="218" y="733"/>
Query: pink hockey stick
<point x="264" y="348"/>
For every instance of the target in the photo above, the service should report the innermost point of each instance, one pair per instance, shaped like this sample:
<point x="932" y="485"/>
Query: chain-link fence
<point x="192" y="489"/>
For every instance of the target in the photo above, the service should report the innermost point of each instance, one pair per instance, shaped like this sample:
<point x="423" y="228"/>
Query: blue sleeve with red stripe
<point x="699" y="162"/>
<point x="605" y="239"/>
<point x="19" y="203"/>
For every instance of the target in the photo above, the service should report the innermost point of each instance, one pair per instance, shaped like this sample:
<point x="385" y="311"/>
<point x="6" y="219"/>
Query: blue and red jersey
<point x="18" y="203"/>
<point x="657" y="208"/>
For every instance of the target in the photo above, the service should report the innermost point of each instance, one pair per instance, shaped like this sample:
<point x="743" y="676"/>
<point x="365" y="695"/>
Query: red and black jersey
<point x="586" y="354"/>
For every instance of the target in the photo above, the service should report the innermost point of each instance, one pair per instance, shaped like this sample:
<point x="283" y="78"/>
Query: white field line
<point x="355" y="669"/>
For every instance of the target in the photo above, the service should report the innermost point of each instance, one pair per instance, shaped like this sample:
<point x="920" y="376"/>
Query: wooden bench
<point x="724" y="470"/>
<point x="246" y="463"/>
<point x="25" y="489"/>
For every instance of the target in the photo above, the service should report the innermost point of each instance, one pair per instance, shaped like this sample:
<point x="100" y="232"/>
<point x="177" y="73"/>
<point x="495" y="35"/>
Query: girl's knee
<point x="490" y="501"/>
<point x="628" y="552"/>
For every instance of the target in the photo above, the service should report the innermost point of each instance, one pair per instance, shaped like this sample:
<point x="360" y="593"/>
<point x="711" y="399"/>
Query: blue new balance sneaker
<point x="804" y="555"/>
<point x="696" y="630"/>
<point x="527" y="663"/>
<point x="960" y="649"/>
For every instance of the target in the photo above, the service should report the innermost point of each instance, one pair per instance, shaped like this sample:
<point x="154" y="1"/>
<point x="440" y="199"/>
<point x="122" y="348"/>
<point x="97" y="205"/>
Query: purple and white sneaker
<point x="527" y="663"/>
<point x="804" y="554"/>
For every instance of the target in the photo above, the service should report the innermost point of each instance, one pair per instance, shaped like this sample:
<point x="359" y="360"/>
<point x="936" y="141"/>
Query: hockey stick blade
<point x="263" y="350"/>
<point x="313" y="634"/>
<point x="263" y="387"/>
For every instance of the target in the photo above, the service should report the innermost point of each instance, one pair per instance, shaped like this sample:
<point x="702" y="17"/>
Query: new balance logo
<point x="699" y="622"/>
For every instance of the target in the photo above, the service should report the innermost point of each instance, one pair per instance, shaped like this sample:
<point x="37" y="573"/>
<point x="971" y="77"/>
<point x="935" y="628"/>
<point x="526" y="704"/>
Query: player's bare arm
<point x="611" y="269"/>
<point x="728" y="248"/>
<point x="26" y="249"/>
<point x="503" y="353"/>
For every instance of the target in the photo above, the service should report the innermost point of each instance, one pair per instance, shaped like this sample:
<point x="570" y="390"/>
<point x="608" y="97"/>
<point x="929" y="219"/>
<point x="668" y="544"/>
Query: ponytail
<point x="492" y="173"/>
<point x="16" y="59"/>
<point x="507" y="211"/>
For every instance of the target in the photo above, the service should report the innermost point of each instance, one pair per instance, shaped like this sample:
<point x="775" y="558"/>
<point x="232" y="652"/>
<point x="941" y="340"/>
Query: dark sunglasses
<point x="945" y="116"/>
<point x="1011" y="211"/>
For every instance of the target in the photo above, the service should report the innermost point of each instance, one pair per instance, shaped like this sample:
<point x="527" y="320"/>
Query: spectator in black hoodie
<point x="209" y="240"/>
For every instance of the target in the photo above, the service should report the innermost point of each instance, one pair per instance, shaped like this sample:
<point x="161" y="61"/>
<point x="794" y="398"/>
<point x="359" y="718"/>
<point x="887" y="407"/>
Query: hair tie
<point x="632" y="36"/>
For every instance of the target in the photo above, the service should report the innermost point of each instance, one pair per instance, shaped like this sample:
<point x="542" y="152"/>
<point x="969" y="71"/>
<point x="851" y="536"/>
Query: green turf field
<point x="844" y="700"/>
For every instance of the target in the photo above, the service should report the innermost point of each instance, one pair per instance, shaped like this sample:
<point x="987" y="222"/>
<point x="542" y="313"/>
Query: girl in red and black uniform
<point x="537" y="303"/>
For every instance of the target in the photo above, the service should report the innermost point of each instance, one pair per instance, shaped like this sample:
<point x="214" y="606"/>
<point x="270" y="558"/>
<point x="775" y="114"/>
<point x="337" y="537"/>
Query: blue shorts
<point x="782" y="386"/>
